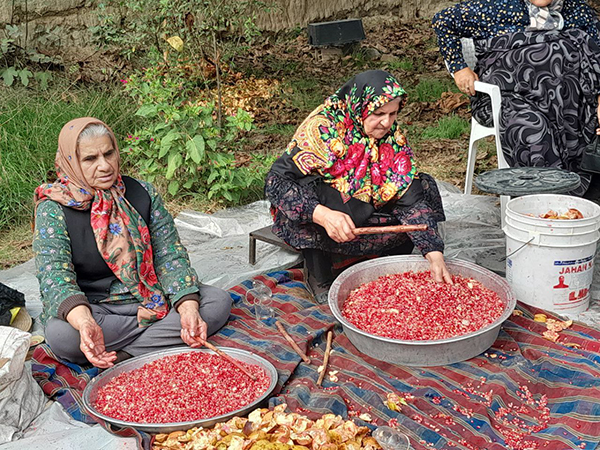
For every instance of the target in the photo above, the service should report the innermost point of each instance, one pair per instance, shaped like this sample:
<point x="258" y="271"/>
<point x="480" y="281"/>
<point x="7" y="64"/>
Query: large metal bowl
<point x="418" y="353"/>
<point x="91" y="391"/>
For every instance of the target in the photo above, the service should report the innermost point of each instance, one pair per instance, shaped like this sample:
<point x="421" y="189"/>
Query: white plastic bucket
<point x="550" y="263"/>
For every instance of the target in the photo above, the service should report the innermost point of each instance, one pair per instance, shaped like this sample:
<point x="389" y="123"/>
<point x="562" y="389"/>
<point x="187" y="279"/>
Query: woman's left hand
<point x="438" y="268"/>
<point x="193" y="328"/>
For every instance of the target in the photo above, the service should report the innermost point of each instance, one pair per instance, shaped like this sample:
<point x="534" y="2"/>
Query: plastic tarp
<point x="54" y="429"/>
<point x="21" y="399"/>
<point x="218" y="248"/>
<point x="218" y="244"/>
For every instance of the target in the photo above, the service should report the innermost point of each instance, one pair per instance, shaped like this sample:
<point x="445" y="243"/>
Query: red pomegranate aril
<point x="411" y="306"/>
<point x="180" y="388"/>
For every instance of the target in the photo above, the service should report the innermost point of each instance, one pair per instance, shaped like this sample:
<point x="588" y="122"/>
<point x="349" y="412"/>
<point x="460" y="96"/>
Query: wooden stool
<point x="266" y="235"/>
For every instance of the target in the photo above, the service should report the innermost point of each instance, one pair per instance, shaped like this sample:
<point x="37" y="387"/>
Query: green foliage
<point x="280" y="129"/>
<point x="430" y="89"/>
<point x="29" y="125"/>
<point x="18" y="64"/>
<point x="304" y="94"/>
<point x="181" y="143"/>
<point x="401" y="64"/>
<point x="143" y="27"/>
<point x="448" y="127"/>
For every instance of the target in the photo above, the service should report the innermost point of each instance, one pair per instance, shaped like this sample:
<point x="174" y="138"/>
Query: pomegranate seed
<point x="180" y="388"/>
<point x="411" y="306"/>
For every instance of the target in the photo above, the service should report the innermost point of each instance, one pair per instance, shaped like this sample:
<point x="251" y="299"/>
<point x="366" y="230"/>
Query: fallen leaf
<point x="176" y="42"/>
<point x="451" y="101"/>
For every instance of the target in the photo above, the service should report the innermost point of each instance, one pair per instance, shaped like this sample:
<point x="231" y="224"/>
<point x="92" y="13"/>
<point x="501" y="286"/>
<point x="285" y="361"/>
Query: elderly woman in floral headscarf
<point x="545" y="57"/>
<point x="115" y="280"/>
<point x="347" y="166"/>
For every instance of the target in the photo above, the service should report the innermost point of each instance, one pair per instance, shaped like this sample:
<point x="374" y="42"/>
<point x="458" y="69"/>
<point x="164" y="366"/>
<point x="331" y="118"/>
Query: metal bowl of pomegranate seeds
<point x="420" y="353"/>
<point x="93" y="393"/>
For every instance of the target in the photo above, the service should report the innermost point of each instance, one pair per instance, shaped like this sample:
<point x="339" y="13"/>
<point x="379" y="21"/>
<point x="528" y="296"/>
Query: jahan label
<point x="572" y="282"/>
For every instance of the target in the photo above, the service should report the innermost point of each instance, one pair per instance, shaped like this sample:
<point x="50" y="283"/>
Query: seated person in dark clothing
<point x="347" y="166"/>
<point x="544" y="55"/>
<point x="114" y="277"/>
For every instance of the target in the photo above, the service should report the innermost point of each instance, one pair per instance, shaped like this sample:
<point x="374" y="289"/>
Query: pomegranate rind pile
<point x="275" y="429"/>
<point x="571" y="214"/>
<point x="411" y="306"/>
<point x="181" y="388"/>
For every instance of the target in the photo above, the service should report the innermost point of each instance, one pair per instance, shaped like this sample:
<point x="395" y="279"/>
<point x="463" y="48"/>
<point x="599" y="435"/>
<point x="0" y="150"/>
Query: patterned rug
<point x="526" y="392"/>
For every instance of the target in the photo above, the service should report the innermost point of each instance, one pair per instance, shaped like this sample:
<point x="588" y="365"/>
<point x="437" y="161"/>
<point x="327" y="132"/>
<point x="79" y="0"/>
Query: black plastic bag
<point x="9" y="299"/>
<point x="590" y="162"/>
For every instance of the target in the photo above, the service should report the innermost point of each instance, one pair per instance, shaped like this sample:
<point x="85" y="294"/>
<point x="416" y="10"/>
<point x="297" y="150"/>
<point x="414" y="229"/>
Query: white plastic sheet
<point x="21" y="399"/>
<point x="54" y="429"/>
<point x="218" y="244"/>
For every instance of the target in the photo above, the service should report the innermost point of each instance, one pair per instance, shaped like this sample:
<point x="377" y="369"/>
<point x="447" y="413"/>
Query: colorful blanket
<point x="526" y="392"/>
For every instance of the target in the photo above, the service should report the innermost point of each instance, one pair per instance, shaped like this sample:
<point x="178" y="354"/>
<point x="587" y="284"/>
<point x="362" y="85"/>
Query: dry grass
<point x="15" y="246"/>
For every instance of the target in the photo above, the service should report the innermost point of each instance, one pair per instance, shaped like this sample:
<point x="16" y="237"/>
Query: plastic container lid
<point x="517" y="181"/>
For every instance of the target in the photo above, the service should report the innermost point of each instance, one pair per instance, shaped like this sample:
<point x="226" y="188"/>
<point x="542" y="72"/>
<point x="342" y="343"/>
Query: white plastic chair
<point x="479" y="131"/>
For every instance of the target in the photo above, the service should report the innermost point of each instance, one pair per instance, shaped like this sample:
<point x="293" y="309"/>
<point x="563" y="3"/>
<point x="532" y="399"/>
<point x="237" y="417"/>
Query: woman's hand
<point x="91" y="337"/>
<point x="339" y="226"/>
<point x="193" y="328"/>
<point x="465" y="80"/>
<point x="438" y="268"/>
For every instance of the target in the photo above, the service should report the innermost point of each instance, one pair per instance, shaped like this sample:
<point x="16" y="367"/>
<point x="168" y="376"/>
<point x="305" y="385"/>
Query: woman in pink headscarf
<point x="115" y="280"/>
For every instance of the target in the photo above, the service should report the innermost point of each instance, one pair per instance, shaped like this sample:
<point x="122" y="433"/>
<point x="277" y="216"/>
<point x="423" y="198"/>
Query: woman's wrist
<point x="189" y="305"/>
<point x="434" y="256"/>
<point x="319" y="213"/>
<point x="79" y="315"/>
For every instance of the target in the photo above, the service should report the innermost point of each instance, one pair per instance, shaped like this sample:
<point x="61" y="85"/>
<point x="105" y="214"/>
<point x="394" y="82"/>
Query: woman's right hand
<point x="465" y="80"/>
<point x="437" y="266"/>
<point x="91" y="338"/>
<point x="339" y="226"/>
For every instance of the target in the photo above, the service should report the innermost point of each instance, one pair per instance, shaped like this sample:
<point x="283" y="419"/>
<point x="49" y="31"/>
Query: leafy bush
<point x="181" y="142"/>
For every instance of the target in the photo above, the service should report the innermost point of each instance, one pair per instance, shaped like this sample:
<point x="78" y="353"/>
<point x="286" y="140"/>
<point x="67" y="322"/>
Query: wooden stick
<point x="390" y="229"/>
<point x="325" y="358"/>
<point x="288" y="338"/>
<point x="230" y="359"/>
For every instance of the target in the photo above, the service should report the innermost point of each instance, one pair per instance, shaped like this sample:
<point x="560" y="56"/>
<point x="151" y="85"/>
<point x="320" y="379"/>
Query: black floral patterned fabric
<point x="293" y="204"/>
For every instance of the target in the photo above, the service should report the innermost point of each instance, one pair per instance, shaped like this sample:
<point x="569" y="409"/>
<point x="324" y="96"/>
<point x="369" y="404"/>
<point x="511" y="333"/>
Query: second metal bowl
<point x="418" y="353"/>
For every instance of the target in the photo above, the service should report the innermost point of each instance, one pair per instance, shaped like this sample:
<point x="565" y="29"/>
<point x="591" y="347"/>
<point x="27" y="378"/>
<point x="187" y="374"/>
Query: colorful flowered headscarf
<point x="332" y="142"/>
<point x="121" y="234"/>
